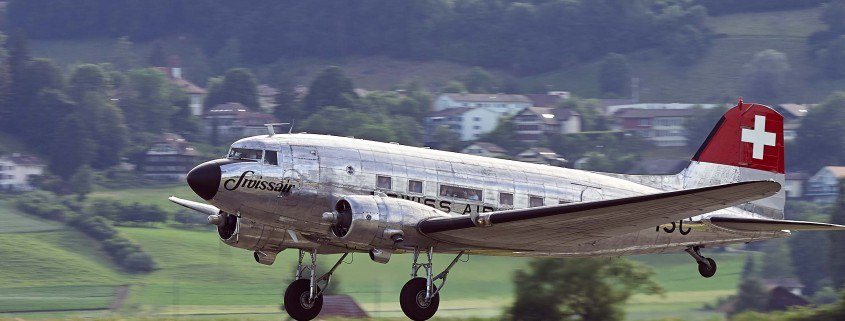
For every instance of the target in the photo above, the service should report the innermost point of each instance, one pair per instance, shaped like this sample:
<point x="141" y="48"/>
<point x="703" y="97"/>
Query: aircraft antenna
<point x="271" y="128"/>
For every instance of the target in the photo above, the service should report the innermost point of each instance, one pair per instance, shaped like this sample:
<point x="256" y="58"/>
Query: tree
<point x="822" y="140"/>
<point x="148" y="108"/>
<point x="765" y="76"/>
<point x="72" y="148"/>
<point x="87" y="78"/>
<point x="158" y="57"/>
<point x="330" y="88"/>
<point x="445" y="139"/>
<point x="591" y="118"/>
<point x="227" y="57"/>
<point x="833" y="15"/>
<point x="776" y="254"/>
<point x="238" y="85"/>
<point x="479" y="80"/>
<point x="752" y="296"/>
<point x="82" y="182"/>
<point x="614" y="75"/>
<point x="578" y="289"/>
<point x="832" y="58"/>
<point x="810" y="257"/>
<point x="837" y="243"/>
<point x="749" y="269"/>
<point x="123" y="54"/>
<point x="455" y="87"/>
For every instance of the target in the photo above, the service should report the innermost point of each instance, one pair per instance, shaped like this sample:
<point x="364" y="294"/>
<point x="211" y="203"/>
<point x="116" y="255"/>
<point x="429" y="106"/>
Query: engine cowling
<point x="377" y="221"/>
<point x="247" y="234"/>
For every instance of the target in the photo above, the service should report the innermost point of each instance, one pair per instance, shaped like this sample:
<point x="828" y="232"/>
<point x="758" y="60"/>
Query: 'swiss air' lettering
<point x="257" y="184"/>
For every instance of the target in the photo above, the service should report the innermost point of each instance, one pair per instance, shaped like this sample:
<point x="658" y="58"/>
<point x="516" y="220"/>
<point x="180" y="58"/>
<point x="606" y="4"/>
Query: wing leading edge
<point x="568" y="224"/>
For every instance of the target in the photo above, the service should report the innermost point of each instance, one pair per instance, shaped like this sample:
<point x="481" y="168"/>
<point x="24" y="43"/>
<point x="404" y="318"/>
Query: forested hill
<point x="525" y="37"/>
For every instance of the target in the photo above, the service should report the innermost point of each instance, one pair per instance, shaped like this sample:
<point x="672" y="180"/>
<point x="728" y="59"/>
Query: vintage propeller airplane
<point x="330" y="195"/>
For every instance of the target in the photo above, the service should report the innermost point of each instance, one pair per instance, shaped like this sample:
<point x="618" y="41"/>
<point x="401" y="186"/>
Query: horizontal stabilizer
<point x="769" y="225"/>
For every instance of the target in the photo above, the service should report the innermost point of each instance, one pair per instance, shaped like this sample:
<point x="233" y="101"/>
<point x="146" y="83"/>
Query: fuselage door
<point x="306" y="164"/>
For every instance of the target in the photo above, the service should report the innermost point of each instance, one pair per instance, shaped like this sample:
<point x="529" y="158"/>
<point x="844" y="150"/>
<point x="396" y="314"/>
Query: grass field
<point x="200" y="276"/>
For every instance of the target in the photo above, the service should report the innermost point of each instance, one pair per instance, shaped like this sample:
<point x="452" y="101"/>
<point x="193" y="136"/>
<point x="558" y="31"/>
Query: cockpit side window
<point x="245" y="154"/>
<point x="271" y="157"/>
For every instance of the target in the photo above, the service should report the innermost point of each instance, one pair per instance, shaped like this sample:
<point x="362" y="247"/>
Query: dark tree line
<point x="526" y="36"/>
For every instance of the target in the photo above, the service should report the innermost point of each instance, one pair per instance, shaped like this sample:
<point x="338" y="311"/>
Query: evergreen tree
<point x="330" y="88"/>
<point x="837" y="243"/>
<point x="752" y="296"/>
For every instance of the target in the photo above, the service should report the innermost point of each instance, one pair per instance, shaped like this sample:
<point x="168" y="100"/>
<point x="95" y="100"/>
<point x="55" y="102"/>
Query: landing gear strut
<point x="420" y="298"/>
<point x="304" y="296"/>
<point x="706" y="265"/>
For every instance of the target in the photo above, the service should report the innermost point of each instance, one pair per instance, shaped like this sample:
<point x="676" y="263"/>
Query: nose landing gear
<point x="706" y="265"/>
<point x="304" y="296"/>
<point x="420" y="298"/>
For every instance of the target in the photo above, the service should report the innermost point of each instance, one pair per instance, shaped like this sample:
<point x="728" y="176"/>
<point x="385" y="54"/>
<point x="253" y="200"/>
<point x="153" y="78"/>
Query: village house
<point x="500" y="103"/>
<point x="792" y="116"/>
<point x="541" y="155"/>
<point x="664" y="127"/>
<point x="469" y="122"/>
<point x="231" y="121"/>
<point x="17" y="169"/>
<point x="484" y="149"/>
<point x="196" y="94"/>
<point x="794" y="184"/>
<point x="532" y="124"/>
<point x="169" y="157"/>
<point x="823" y="187"/>
<point x="549" y="99"/>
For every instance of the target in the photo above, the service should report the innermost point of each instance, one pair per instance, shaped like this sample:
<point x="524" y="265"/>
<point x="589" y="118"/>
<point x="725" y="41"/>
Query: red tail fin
<point x="748" y="135"/>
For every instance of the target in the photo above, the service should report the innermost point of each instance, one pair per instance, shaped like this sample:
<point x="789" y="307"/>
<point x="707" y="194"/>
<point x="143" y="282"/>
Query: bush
<point x="139" y="262"/>
<point x="45" y="205"/>
<point x="94" y="226"/>
<point x="139" y="213"/>
<point x="189" y="217"/>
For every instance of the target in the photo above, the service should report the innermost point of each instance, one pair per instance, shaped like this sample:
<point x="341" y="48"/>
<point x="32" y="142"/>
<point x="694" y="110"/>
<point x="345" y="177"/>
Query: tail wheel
<point x="705" y="270"/>
<point x="297" y="302"/>
<point x="413" y="302"/>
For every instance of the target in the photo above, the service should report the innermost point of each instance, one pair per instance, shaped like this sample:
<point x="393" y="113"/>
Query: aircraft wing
<point x="576" y="223"/>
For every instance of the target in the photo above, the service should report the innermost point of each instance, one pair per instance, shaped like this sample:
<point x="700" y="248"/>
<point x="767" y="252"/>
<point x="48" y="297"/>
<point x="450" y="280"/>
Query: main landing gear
<point x="304" y="297"/>
<point x="706" y="265"/>
<point x="420" y="298"/>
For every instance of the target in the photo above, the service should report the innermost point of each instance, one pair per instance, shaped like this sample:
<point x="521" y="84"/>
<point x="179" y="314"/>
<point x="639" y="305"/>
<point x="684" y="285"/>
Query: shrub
<point x="139" y="262"/>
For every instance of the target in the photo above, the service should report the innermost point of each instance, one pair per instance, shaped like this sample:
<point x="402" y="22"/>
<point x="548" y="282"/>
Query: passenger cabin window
<point x="535" y="201"/>
<point x="271" y="157"/>
<point x="415" y="186"/>
<point x="506" y="199"/>
<point x="245" y="154"/>
<point x="384" y="182"/>
<point x="460" y="192"/>
<point x="563" y="202"/>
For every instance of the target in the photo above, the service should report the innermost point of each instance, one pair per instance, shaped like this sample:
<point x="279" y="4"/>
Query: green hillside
<point x="48" y="267"/>
<point x="717" y="75"/>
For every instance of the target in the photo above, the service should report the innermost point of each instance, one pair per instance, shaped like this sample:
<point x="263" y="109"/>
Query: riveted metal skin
<point x="283" y="205"/>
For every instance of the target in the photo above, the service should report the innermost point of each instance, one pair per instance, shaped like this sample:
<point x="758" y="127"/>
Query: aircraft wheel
<point x="706" y="271"/>
<point x="297" y="304"/>
<point x="412" y="300"/>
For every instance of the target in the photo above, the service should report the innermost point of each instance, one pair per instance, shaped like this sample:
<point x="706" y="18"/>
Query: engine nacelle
<point x="247" y="234"/>
<point x="377" y="221"/>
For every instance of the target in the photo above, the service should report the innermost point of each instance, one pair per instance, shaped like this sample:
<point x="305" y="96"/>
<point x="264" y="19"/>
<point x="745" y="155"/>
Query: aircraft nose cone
<point x="205" y="179"/>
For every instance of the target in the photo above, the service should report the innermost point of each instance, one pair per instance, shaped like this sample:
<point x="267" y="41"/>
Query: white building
<point x="532" y="124"/>
<point x="15" y="170"/>
<point x="501" y="103"/>
<point x="196" y="94"/>
<point x="823" y="187"/>
<point x="470" y="123"/>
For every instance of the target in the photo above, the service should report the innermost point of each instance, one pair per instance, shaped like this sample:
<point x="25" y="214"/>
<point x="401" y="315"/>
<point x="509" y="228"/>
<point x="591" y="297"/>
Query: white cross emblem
<point x="758" y="137"/>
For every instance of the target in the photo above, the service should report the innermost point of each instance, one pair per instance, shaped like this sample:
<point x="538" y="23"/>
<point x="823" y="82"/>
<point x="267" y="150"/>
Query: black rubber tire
<point x="296" y="301"/>
<point x="411" y="305"/>
<point x="706" y="271"/>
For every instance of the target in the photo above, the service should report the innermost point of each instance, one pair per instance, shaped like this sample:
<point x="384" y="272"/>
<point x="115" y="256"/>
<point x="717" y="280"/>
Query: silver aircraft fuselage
<point x="290" y="195"/>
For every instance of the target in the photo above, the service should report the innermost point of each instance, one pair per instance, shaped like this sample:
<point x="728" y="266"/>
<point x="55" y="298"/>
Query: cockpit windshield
<point x="245" y="154"/>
